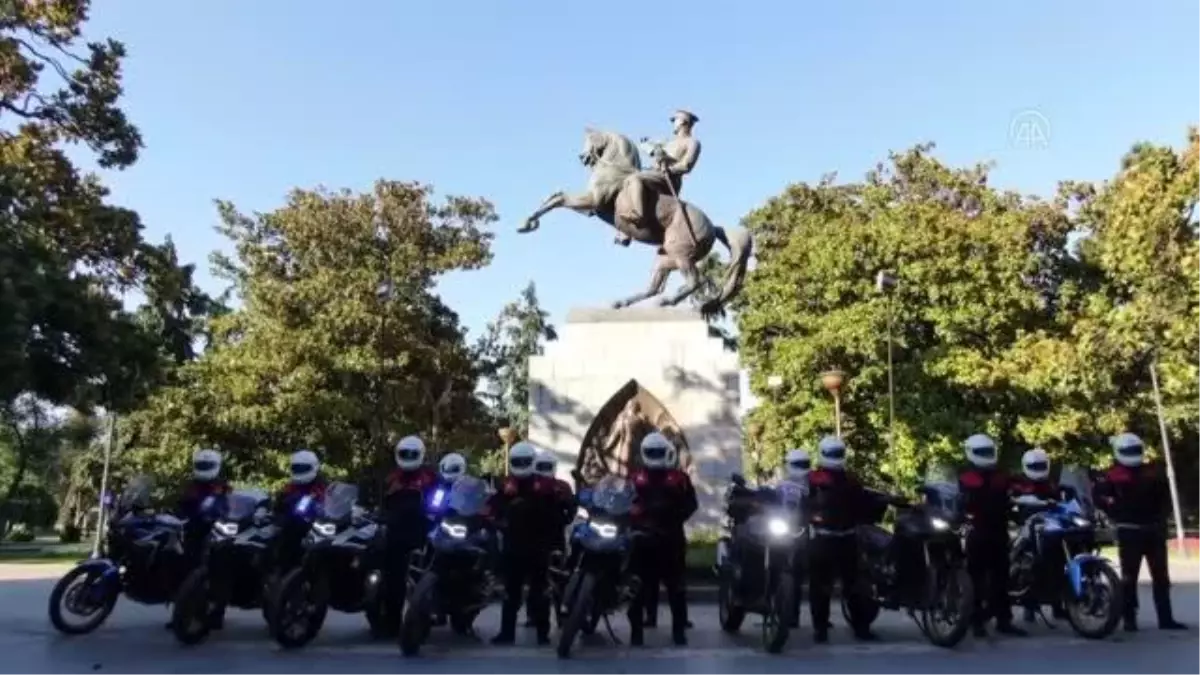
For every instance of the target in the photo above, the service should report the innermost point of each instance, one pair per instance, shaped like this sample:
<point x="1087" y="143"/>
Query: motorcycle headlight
<point x="582" y="513"/>
<point x="455" y="530"/>
<point x="778" y="527"/>
<point x="939" y="524"/>
<point x="226" y="529"/>
<point x="1080" y="521"/>
<point x="605" y="530"/>
<point x="325" y="529"/>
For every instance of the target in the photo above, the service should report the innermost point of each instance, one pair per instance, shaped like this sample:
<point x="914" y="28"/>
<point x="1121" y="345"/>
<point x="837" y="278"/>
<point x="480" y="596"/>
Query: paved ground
<point x="134" y="641"/>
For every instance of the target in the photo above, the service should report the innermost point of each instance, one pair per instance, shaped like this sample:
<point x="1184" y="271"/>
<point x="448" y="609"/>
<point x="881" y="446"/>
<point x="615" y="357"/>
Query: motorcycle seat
<point x="874" y="537"/>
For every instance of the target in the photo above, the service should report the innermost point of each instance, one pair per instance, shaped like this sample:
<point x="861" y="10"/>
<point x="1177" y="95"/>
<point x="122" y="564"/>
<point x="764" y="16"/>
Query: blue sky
<point x="244" y="101"/>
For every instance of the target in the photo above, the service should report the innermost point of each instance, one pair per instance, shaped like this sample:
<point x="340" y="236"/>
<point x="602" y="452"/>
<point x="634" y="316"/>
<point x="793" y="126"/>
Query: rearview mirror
<point x="738" y="479"/>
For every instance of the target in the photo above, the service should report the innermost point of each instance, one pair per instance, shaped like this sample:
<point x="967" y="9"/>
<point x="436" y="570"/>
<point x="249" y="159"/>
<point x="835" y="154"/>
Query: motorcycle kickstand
<point x="611" y="633"/>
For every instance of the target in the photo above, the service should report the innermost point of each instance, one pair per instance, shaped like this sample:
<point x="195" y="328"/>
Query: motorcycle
<point x="921" y="565"/>
<point x="236" y="569"/>
<point x="340" y="569"/>
<point x="756" y="565"/>
<point x="1055" y="559"/>
<point x="143" y="559"/>
<point x="602" y="580"/>
<point x="456" y="581"/>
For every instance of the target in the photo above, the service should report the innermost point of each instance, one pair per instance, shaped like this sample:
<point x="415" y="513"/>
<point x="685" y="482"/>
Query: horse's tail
<point x="740" y="245"/>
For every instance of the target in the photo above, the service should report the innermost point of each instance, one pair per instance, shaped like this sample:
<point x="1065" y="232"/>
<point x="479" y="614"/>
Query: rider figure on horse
<point x="674" y="159"/>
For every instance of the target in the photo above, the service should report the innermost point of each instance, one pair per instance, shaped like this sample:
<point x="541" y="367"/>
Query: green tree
<point x="340" y="344"/>
<point x="518" y="333"/>
<point x="978" y="269"/>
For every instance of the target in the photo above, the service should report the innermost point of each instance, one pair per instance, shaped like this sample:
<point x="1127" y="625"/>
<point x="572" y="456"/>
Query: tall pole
<point x="1166" y="445"/>
<point x="891" y="385"/>
<point x="101" y="516"/>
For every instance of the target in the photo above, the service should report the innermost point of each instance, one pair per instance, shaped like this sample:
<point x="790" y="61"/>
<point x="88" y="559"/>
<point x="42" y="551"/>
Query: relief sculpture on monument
<point x="611" y="444"/>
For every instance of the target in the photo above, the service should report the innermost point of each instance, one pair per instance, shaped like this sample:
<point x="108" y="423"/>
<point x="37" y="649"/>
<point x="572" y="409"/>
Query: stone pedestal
<point x="683" y="377"/>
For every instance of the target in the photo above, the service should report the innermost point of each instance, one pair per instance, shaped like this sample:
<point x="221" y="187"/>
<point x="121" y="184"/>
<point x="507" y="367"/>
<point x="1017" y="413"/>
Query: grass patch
<point x="24" y="554"/>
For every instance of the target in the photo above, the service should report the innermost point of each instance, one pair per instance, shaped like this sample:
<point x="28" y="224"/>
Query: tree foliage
<point x="998" y="324"/>
<point x="341" y="344"/>
<point x="518" y="333"/>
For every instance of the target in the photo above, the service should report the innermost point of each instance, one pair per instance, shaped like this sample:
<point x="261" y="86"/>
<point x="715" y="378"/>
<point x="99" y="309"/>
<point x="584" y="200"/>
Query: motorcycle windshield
<point x="941" y="488"/>
<point x="340" y="499"/>
<point x="1076" y="486"/>
<point x="613" y="495"/>
<point x="792" y="495"/>
<point x="137" y="494"/>
<point x="468" y="496"/>
<point x="242" y="503"/>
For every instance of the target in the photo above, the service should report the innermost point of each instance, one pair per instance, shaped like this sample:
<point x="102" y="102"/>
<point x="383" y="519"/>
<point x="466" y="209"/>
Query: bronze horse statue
<point x="682" y="233"/>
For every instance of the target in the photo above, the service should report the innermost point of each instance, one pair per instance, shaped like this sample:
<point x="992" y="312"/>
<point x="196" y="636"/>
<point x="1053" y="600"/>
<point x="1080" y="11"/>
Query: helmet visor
<point x="984" y="451"/>
<point x="301" y="468"/>
<point x="408" y="454"/>
<point x="1037" y="466"/>
<point x="800" y="464"/>
<point x="544" y="467"/>
<point x="834" y="453"/>
<point x="655" y="452"/>
<point x="204" y="465"/>
<point x="1130" y="451"/>
<point x="520" y="462"/>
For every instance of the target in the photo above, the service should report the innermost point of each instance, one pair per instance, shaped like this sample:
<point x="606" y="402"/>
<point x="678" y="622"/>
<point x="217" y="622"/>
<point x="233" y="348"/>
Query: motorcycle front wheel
<point x="80" y="593"/>
<point x="581" y="611"/>
<point x="418" y="615"/>
<point x="729" y="615"/>
<point x="192" y="611"/>
<point x="1101" y="597"/>
<point x="950" y="601"/>
<point x="298" y="611"/>
<point x="777" y="622"/>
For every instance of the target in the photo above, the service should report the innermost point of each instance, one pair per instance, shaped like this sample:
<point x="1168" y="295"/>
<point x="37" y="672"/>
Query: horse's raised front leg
<point x="582" y="203"/>
<point x="658" y="281"/>
<point x="691" y="284"/>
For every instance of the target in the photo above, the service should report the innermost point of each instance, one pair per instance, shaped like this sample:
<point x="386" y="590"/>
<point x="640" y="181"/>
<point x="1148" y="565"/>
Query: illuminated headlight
<point x="1081" y="522"/>
<point x="325" y="529"/>
<point x="778" y="527"/>
<point x="939" y="524"/>
<point x="454" y="530"/>
<point x="582" y="514"/>
<point x="605" y="530"/>
<point x="226" y="529"/>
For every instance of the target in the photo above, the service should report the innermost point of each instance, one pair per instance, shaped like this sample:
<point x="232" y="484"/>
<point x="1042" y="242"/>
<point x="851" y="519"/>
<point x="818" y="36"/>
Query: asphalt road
<point x="134" y="641"/>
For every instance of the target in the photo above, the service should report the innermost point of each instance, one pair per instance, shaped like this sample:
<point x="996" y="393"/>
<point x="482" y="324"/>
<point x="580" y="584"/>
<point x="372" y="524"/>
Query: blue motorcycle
<point x="456" y="580"/>
<point x="1055" y="560"/>
<point x="143" y="558"/>
<point x="602" y="580"/>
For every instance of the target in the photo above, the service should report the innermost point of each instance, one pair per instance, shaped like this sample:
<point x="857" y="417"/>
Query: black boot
<point x="508" y="627"/>
<point x="1162" y="607"/>
<point x="1007" y="628"/>
<point x="679" y="634"/>
<point x="979" y="630"/>
<point x="821" y="635"/>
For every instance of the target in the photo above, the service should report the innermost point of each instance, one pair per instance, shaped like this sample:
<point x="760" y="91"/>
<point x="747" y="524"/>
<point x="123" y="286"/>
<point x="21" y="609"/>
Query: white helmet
<point x="658" y="452"/>
<point x="452" y="467"/>
<point x="831" y="453"/>
<point x="521" y="458"/>
<point x="797" y="464"/>
<point x="545" y="464"/>
<point x="206" y="464"/>
<point x="410" y="453"/>
<point x="981" y="451"/>
<point x="1128" y="449"/>
<point x="304" y="466"/>
<point x="1036" y="464"/>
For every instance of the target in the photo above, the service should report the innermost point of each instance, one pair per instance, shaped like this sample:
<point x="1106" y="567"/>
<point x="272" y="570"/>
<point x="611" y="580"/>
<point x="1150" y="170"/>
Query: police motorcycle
<point x="756" y="561"/>
<point x="236" y="569"/>
<point x="1055" y="558"/>
<point x="457" y="580"/>
<point x="602" y="580"/>
<point x="341" y="569"/>
<point x="921" y="565"/>
<point x="143" y="558"/>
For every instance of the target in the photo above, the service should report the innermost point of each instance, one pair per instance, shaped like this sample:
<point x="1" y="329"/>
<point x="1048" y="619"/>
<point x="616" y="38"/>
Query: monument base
<point x="657" y="364"/>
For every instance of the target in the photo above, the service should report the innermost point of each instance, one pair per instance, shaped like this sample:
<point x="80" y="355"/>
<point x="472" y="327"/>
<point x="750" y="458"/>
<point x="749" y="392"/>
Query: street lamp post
<point x="833" y="380"/>
<point x="885" y="282"/>
<point x="101" y="514"/>
<point x="508" y="436"/>
<point x="1166" y="445"/>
